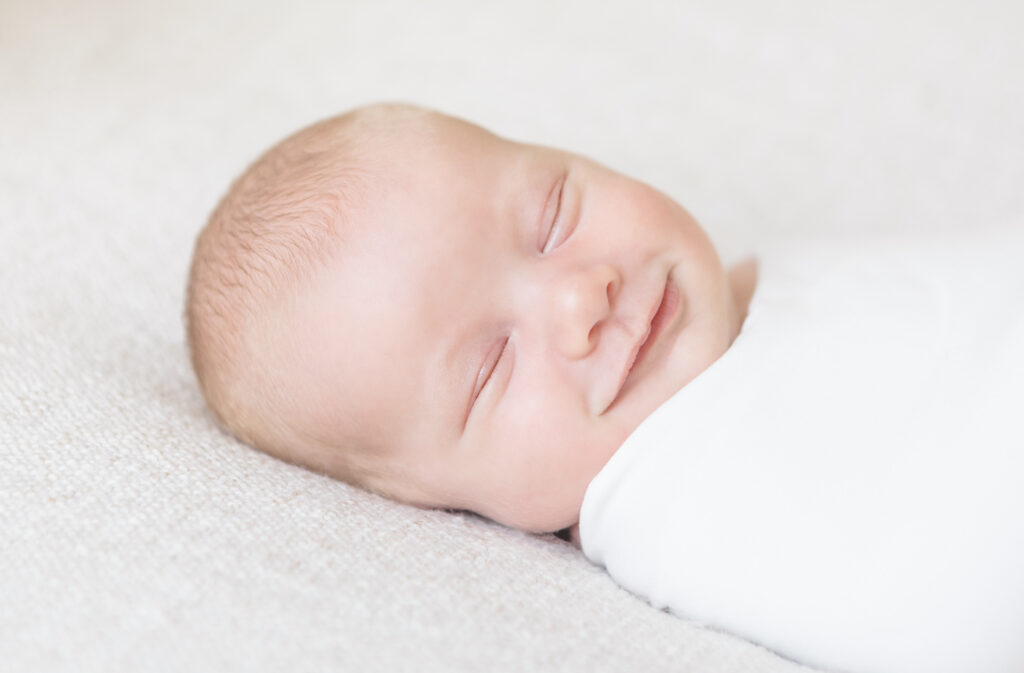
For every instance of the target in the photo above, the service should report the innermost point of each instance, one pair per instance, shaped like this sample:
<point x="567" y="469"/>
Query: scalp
<point x="283" y="219"/>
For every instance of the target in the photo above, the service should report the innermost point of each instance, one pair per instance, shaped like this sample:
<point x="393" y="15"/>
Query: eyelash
<point x="490" y="374"/>
<point x="554" y="220"/>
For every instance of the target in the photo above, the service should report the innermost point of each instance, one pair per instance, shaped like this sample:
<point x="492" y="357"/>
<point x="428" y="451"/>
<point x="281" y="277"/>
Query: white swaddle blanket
<point x="846" y="484"/>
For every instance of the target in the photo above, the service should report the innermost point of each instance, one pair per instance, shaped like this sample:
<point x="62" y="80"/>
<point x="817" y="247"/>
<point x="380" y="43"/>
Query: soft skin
<point x="478" y="320"/>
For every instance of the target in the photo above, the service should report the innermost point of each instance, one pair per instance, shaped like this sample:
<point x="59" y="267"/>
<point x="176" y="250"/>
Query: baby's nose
<point x="582" y="299"/>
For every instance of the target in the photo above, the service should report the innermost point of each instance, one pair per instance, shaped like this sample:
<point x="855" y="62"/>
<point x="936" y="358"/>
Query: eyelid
<point x="545" y="234"/>
<point x="482" y="378"/>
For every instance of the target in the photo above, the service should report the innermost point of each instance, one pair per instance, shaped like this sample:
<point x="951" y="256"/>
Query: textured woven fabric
<point x="139" y="537"/>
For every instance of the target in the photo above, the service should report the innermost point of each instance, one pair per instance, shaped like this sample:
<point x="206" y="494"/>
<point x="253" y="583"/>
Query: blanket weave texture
<point x="139" y="537"/>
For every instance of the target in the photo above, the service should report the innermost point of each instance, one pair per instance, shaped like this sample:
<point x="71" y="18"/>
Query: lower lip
<point x="662" y="318"/>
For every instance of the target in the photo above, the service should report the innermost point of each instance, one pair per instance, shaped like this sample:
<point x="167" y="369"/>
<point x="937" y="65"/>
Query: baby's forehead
<point x="447" y="149"/>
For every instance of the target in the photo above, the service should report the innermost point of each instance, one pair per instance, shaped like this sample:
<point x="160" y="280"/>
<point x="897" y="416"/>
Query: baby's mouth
<point x="663" y="314"/>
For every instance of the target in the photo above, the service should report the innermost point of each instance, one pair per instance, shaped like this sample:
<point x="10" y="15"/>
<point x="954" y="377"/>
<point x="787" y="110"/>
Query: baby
<point x="405" y="301"/>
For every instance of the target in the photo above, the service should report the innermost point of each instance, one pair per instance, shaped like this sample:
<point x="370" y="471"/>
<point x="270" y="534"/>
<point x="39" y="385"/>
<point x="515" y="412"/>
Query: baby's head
<point x="405" y="301"/>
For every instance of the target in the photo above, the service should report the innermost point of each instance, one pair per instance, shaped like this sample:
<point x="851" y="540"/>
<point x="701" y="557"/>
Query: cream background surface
<point x="139" y="537"/>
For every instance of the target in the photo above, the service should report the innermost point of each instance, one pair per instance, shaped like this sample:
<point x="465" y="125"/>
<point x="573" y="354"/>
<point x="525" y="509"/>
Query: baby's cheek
<point x="530" y="413"/>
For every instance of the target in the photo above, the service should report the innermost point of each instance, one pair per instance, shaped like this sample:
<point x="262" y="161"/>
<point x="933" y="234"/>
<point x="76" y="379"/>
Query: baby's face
<point x="502" y="316"/>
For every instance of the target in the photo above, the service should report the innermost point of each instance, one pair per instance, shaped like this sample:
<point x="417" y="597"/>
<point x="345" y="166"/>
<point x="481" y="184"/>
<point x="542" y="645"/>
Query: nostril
<point x="613" y="285"/>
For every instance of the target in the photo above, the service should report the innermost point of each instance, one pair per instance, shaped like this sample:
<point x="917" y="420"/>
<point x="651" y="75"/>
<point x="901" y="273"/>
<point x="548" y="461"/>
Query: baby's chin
<point x="529" y="514"/>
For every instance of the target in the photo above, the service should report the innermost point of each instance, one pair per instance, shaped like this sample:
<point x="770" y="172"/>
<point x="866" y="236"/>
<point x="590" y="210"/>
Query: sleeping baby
<point x="404" y="301"/>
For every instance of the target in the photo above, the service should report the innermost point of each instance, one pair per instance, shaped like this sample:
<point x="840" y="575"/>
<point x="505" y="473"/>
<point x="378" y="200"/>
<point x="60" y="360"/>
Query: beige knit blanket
<point x="137" y="537"/>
